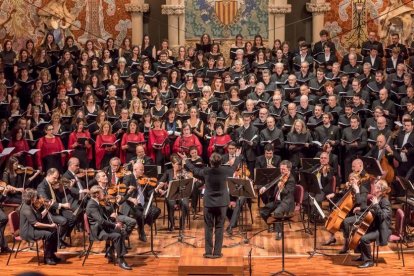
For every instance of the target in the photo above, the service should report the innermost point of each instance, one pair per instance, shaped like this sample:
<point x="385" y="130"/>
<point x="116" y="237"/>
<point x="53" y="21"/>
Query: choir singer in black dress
<point x="216" y="200"/>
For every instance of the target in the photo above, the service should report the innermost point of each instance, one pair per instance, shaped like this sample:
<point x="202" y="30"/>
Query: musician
<point x="140" y="157"/>
<point x="379" y="128"/>
<point x="3" y="222"/>
<point x="114" y="171"/>
<point x="216" y="200"/>
<point x="284" y="201"/>
<point x="354" y="139"/>
<point x="32" y="227"/>
<point x="79" y="189"/>
<point x="333" y="158"/>
<point x="79" y="141"/>
<point x="406" y="154"/>
<point x="49" y="155"/>
<point x="186" y="140"/>
<point x="158" y="146"/>
<point x="248" y="137"/>
<point x="379" y="229"/>
<point x="111" y="206"/>
<point x="104" y="229"/>
<point x="218" y="142"/>
<point x="61" y="213"/>
<point x="327" y="133"/>
<point x="137" y="201"/>
<point x="15" y="177"/>
<point x="324" y="175"/>
<point x="130" y="140"/>
<point x="177" y="172"/>
<point x="382" y="149"/>
<point x="105" y="152"/>
<point x="270" y="134"/>
<point x="268" y="160"/>
<point x="361" y="194"/>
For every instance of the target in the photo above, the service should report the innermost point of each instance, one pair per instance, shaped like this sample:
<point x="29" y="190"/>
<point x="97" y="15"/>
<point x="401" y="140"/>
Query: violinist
<point x="324" y="175"/>
<point x="113" y="199"/>
<point x="79" y="141"/>
<point x="177" y="172"/>
<point x="14" y="176"/>
<point x="32" y="226"/>
<point x="268" y="160"/>
<point x="114" y="172"/>
<point x="79" y="189"/>
<point x="379" y="229"/>
<point x="283" y="198"/>
<point x="102" y="228"/>
<point x="60" y="210"/>
<point x="137" y="201"/>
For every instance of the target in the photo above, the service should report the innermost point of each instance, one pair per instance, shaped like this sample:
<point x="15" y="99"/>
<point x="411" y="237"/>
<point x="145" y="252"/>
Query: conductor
<point x="216" y="200"/>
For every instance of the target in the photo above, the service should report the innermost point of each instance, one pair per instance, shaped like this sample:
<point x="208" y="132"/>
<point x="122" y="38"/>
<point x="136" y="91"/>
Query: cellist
<point x="380" y="227"/>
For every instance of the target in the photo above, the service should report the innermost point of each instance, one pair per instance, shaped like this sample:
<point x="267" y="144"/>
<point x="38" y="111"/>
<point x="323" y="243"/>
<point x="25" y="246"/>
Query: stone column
<point x="176" y="22"/>
<point x="318" y="8"/>
<point x="137" y="8"/>
<point x="277" y="11"/>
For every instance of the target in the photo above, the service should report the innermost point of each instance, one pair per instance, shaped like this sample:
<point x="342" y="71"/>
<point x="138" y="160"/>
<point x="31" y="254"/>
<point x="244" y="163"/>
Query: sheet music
<point x="149" y="204"/>
<point x="315" y="203"/>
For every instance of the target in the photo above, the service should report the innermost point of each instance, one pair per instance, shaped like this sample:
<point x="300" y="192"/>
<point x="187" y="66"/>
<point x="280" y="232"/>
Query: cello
<point x="360" y="228"/>
<point x="385" y="165"/>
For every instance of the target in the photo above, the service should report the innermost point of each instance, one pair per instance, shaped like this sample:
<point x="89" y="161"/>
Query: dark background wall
<point x="298" y="22"/>
<point x="155" y="23"/>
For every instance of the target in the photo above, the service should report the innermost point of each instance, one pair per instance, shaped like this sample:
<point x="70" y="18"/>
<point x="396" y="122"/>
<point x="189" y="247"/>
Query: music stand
<point x="319" y="209"/>
<point x="264" y="176"/>
<point x="151" y="170"/>
<point x="309" y="182"/>
<point x="372" y="166"/>
<point x="308" y="163"/>
<point x="178" y="190"/>
<point x="407" y="187"/>
<point x="282" y="219"/>
<point x="147" y="208"/>
<point x="241" y="188"/>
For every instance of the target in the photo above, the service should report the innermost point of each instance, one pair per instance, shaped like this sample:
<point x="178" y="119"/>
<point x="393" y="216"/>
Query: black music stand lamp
<point x="178" y="190"/>
<point x="282" y="219"/>
<point x="146" y="210"/>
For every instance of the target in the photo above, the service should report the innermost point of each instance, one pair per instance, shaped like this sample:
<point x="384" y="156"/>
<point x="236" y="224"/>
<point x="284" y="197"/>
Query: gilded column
<point x="277" y="13"/>
<point x="176" y="22"/>
<point x="318" y="8"/>
<point x="137" y="8"/>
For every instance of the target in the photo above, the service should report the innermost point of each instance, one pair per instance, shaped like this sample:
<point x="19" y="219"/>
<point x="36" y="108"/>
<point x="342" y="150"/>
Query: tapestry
<point x="226" y="18"/>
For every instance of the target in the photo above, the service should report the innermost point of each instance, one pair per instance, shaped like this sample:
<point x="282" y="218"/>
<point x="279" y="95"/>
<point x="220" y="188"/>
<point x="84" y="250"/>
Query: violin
<point x="86" y="172"/>
<point x="41" y="202"/>
<point x="107" y="199"/>
<point x="27" y="170"/>
<point x="150" y="181"/>
<point x="5" y="187"/>
<point x="122" y="172"/>
<point x="282" y="183"/>
<point x="117" y="189"/>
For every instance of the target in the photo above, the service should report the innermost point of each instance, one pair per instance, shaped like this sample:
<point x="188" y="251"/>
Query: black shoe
<point x="109" y="255"/>
<point x="50" y="261"/>
<point x="229" y="231"/>
<point x="278" y="236"/>
<point x="217" y="256"/>
<point x="330" y="241"/>
<point x="207" y="256"/>
<point x="6" y="250"/>
<point x="171" y="229"/>
<point x="359" y="259"/>
<point x="122" y="264"/>
<point x="343" y="251"/>
<point x="56" y="258"/>
<point x="142" y="236"/>
<point x="63" y="244"/>
<point x="366" y="264"/>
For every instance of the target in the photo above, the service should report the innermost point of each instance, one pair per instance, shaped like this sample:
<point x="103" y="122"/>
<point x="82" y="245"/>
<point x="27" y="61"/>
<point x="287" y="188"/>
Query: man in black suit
<point x="374" y="59"/>
<point x="232" y="157"/>
<point x="104" y="229"/>
<point x="382" y="149"/>
<point x="137" y="201"/>
<point x="406" y="153"/>
<point x="327" y="133"/>
<point x="272" y="133"/>
<point x="395" y="39"/>
<point x="268" y="160"/>
<point x="318" y="47"/>
<point x="372" y="41"/>
<point x="216" y="200"/>
<point x="248" y="138"/>
<point x="60" y="211"/>
<point x="380" y="229"/>
<point x="284" y="201"/>
<point x="32" y="227"/>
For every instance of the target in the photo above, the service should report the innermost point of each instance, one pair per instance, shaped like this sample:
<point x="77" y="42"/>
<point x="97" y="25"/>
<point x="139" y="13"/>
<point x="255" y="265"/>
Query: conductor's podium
<point x="192" y="262"/>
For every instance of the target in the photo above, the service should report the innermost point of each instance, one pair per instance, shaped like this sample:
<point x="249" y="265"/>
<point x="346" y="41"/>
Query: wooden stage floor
<point x="264" y="261"/>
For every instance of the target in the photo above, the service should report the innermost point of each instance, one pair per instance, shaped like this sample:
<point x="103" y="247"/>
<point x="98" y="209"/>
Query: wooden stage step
<point x="192" y="262"/>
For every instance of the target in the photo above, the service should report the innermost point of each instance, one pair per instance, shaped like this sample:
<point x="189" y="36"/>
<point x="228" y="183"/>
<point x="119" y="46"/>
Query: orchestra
<point x="108" y="134"/>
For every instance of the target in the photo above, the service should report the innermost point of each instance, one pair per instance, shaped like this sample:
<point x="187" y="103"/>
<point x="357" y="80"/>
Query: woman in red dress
<point x="20" y="144"/>
<point x="158" y="145"/>
<point x="130" y="140"/>
<point x="218" y="143"/>
<point x="105" y="153"/>
<point x="186" y="140"/>
<point x="48" y="155"/>
<point x="79" y="142"/>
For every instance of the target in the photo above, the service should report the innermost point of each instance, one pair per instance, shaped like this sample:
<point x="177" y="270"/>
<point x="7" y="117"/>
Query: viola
<point x="150" y="181"/>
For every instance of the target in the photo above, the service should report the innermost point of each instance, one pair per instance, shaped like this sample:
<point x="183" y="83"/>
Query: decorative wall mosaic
<point x="226" y="18"/>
